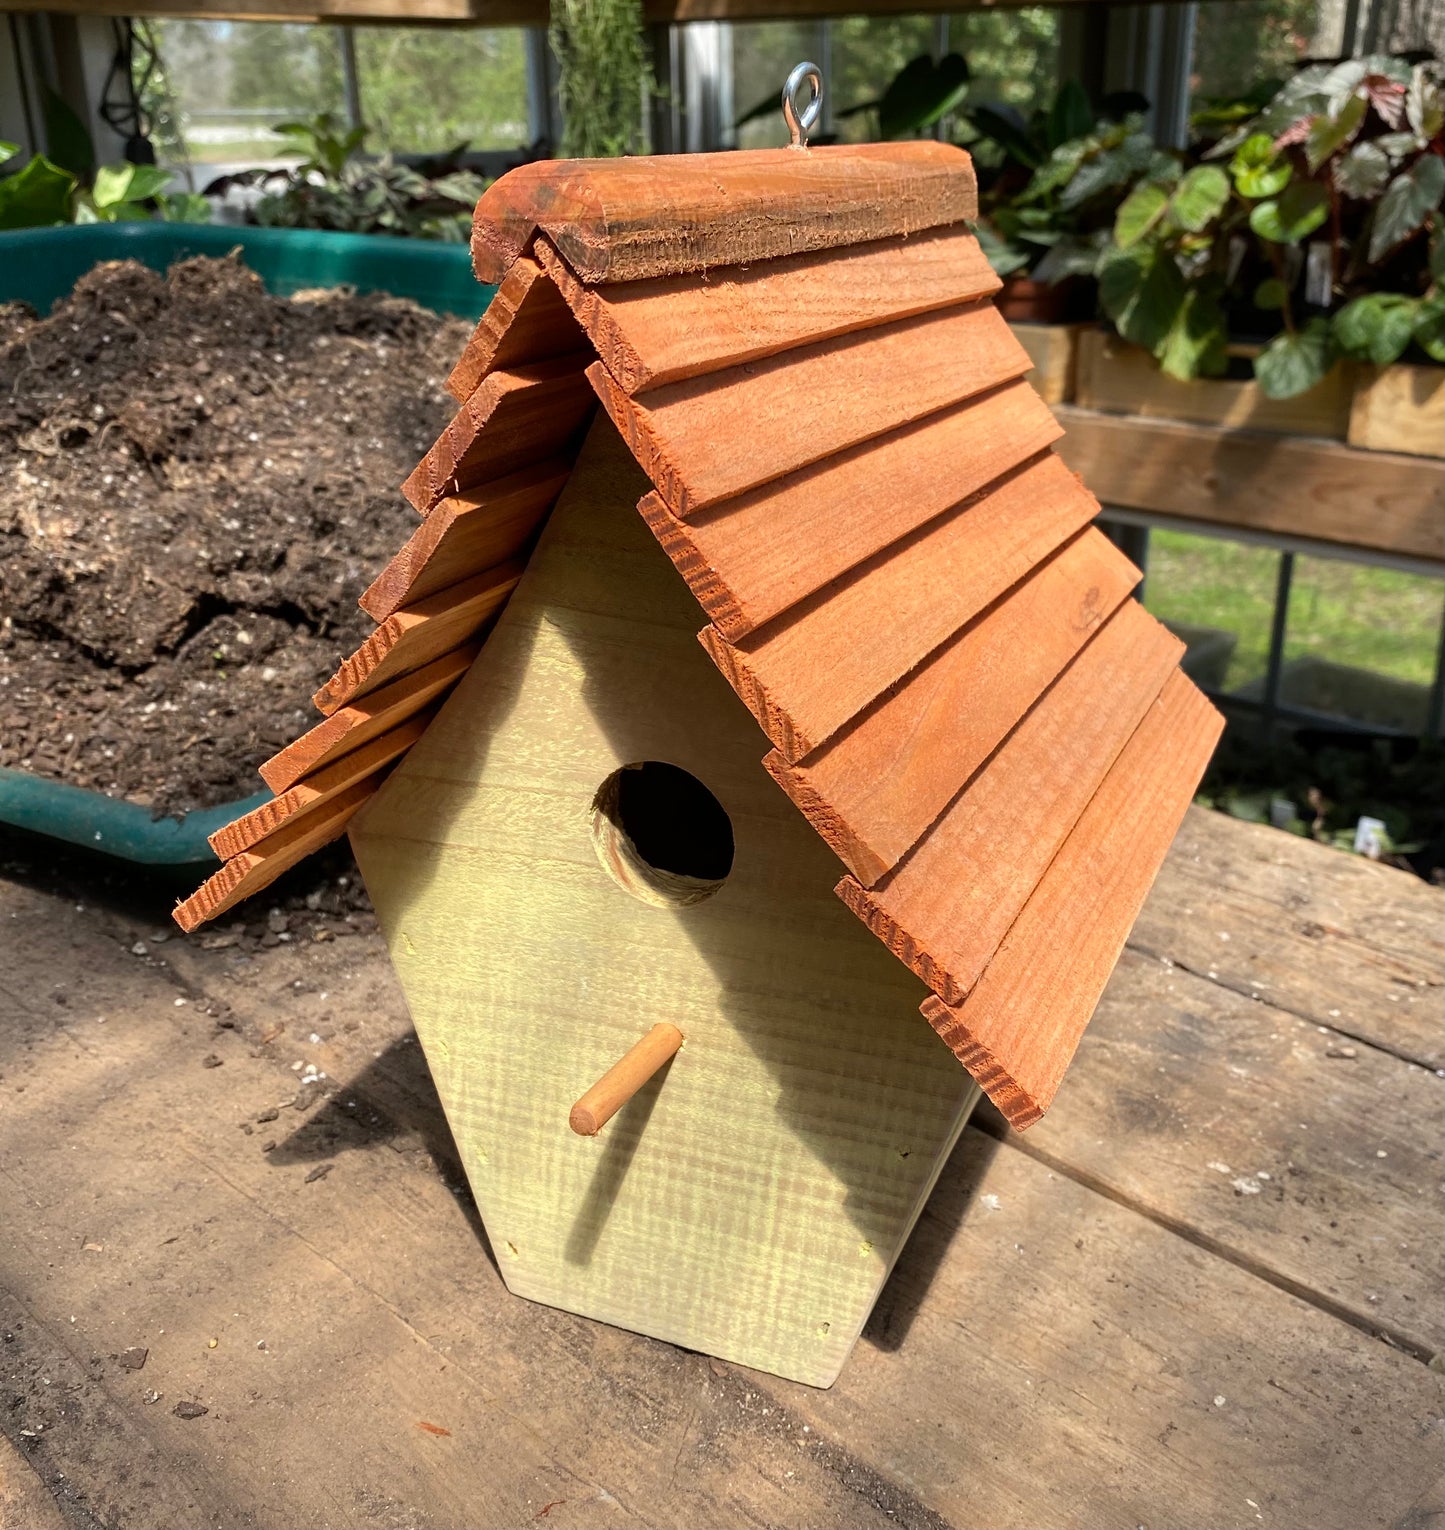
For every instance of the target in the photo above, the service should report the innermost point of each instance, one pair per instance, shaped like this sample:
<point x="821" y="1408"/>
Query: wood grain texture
<point x="757" y="555"/>
<point x="1094" y="1286"/>
<point x="806" y="674"/>
<point x="1224" y="1114"/>
<point x="513" y="420"/>
<point x="874" y="789"/>
<point x="1399" y="408"/>
<point x="251" y="829"/>
<point x="353" y="725"/>
<point x="1040" y="1323"/>
<point x="525" y="322"/>
<point x="1018" y="1029"/>
<point x="629" y="219"/>
<point x="673" y="328"/>
<point x="464" y="534"/>
<point x="417" y="634"/>
<point x="248" y="873"/>
<point x="1112" y="375"/>
<point x="752" y="1204"/>
<point x="1338" y="940"/>
<point x="1384" y="501"/>
<point x="945" y="909"/>
<point x="714" y="437"/>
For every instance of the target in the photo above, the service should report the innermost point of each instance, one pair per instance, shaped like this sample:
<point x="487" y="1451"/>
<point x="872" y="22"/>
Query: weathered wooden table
<point x="1205" y="1291"/>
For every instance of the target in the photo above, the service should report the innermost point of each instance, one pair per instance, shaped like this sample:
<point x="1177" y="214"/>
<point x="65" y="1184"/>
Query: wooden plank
<point x="252" y="828"/>
<point x="1046" y="1356"/>
<point x="664" y="331"/>
<point x="1120" y="378"/>
<point x="713" y="437"/>
<point x="525" y="322"/>
<point x="1383" y="501"/>
<point x="417" y="634"/>
<point x="629" y="219"/>
<point x="874" y="789"/>
<point x="466" y="533"/>
<point x="1399" y="408"/>
<point x="353" y="725"/>
<point x="806" y="675"/>
<point x="1243" y="1123"/>
<point x="1337" y="939"/>
<point x="1053" y="349"/>
<point x="513" y="420"/>
<point x="248" y="873"/>
<point x="1019" y="1027"/>
<point x="945" y="910"/>
<point x="315" y="1270"/>
<point x="768" y="1241"/>
<point x="757" y="555"/>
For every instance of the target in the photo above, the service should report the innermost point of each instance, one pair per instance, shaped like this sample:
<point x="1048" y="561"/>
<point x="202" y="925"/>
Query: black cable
<point x="120" y="98"/>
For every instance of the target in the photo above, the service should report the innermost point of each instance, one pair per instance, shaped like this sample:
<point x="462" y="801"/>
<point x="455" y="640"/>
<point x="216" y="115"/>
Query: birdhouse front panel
<point x="750" y="1201"/>
<point x="939" y="700"/>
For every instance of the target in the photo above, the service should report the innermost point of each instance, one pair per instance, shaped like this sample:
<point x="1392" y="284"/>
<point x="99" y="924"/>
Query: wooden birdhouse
<point x="924" y="754"/>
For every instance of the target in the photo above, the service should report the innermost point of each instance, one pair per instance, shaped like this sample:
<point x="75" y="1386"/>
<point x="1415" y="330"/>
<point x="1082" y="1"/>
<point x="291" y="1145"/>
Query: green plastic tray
<point x="41" y="266"/>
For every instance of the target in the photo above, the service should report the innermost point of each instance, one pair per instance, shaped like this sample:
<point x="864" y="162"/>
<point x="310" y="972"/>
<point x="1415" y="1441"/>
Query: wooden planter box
<point x="1112" y="375"/>
<point x="1052" y="349"/>
<point x="1400" y="408"/>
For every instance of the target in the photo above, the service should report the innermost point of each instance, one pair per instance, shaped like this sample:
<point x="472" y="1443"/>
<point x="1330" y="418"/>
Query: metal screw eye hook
<point x="800" y="124"/>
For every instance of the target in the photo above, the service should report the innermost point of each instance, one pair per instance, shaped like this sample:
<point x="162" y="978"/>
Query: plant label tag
<point x="1370" y="838"/>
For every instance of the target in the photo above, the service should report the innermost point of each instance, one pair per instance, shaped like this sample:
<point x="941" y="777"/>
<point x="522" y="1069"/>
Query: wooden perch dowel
<point x="623" y="1079"/>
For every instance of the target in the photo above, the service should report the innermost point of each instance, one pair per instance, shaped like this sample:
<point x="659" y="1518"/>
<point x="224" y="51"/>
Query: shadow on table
<point x="953" y="1196"/>
<point x="392" y="1102"/>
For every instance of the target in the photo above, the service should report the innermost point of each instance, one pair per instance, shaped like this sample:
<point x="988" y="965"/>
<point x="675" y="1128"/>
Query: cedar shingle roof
<point x="901" y="578"/>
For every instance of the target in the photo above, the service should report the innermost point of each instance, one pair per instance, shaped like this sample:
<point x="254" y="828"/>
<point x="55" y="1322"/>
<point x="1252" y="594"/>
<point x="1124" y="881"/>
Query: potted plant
<point x="1046" y="208"/>
<point x="337" y="186"/>
<point x="1045" y="211"/>
<point x="1308" y="233"/>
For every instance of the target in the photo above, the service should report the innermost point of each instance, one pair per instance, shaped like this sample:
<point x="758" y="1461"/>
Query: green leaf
<point x="1139" y="212"/>
<point x="994" y="125"/>
<point x="1430" y="328"/>
<point x="922" y="93"/>
<point x="1329" y="134"/>
<point x="8" y="150"/>
<point x="1073" y="255"/>
<point x="1396" y="146"/>
<point x="1270" y="294"/>
<point x="1142" y="291"/>
<point x="115" y="185"/>
<point x="37" y="196"/>
<point x="1071" y="115"/>
<point x="1408" y="200"/>
<point x="112" y="185"/>
<point x="67" y="138"/>
<point x="1199" y="198"/>
<point x="1377" y="327"/>
<point x="1196" y="343"/>
<point x="1294" y="363"/>
<point x="1294" y="215"/>
<point x="1258" y="169"/>
<point x="1109" y="170"/>
<point x="1363" y="172"/>
<point x="185" y="207"/>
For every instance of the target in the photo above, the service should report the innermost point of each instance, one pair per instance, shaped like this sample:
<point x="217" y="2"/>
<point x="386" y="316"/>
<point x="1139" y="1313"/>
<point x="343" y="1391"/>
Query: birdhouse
<point x="754" y="679"/>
